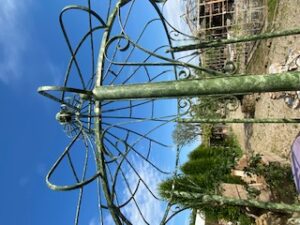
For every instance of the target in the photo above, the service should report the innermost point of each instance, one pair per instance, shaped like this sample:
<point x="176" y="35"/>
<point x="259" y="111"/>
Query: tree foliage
<point x="186" y="133"/>
<point x="206" y="168"/>
<point x="199" y="185"/>
<point x="278" y="177"/>
<point x="208" y="107"/>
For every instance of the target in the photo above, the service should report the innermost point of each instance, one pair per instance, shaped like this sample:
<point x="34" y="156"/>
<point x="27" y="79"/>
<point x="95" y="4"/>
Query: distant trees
<point x="206" y="168"/>
<point x="198" y="187"/>
<point x="207" y="107"/>
<point x="204" y="107"/>
<point x="186" y="133"/>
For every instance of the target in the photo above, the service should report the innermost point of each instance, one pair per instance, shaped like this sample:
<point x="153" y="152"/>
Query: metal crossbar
<point x="116" y="108"/>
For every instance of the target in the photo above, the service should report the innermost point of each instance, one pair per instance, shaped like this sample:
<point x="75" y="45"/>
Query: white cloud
<point x="174" y="13"/>
<point x="93" y="221"/>
<point x="151" y="208"/>
<point x="108" y="220"/>
<point x="200" y="219"/>
<point x="13" y="38"/>
<point x="55" y="72"/>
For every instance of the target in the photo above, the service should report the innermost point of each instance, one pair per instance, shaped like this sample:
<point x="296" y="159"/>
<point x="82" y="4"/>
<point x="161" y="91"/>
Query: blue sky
<point x="32" y="54"/>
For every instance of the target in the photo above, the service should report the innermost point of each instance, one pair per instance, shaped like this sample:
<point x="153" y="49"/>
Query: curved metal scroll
<point x="124" y="146"/>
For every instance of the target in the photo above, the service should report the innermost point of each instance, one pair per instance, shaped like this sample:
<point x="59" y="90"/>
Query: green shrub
<point x="229" y="179"/>
<point x="206" y="168"/>
<point x="228" y="213"/>
<point x="278" y="178"/>
<point x="203" y="151"/>
<point x="201" y="166"/>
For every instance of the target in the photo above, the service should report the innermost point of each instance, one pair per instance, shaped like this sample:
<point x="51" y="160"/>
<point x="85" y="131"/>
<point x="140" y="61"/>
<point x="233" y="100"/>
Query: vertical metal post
<point x="195" y="200"/>
<point x="242" y="120"/>
<point x="221" y="42"/>
<point x="115" y="213"/>
<point x="214" y="86"/>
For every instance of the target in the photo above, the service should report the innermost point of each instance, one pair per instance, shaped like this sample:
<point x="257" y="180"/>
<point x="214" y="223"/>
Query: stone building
<point x="225" y="19"/>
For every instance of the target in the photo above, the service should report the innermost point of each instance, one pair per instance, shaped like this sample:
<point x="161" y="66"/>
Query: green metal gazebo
<point x="114" y="107"/>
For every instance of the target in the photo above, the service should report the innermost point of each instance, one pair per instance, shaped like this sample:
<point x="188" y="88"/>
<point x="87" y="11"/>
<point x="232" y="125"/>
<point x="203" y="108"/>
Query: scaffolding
<point x="223" y="19"/>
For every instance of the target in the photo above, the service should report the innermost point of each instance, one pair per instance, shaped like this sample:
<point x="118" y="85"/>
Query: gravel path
<point x="274" y="141"/>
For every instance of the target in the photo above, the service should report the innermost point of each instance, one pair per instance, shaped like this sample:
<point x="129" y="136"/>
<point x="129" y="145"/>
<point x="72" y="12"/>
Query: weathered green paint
<point x="218" y="86"/>
<point x="237" y="120"/>
<point x="195" y="200"/>
<point x="213" y="86"/>
<point x="220" y="42"/>
<point x="115" y="213"/>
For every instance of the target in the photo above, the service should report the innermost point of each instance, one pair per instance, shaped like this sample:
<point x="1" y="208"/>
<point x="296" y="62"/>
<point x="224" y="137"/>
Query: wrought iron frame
<point x="85" y="106"/>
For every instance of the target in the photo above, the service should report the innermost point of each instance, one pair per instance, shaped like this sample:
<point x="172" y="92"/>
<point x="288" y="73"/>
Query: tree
<point x="206" y="168"/>
<point x="207" y="107"/>
<point x="186" y="133"/>
<point x="198" y="186"/>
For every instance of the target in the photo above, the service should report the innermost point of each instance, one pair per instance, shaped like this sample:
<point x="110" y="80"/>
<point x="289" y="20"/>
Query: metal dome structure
<point x="121" y="94"/>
